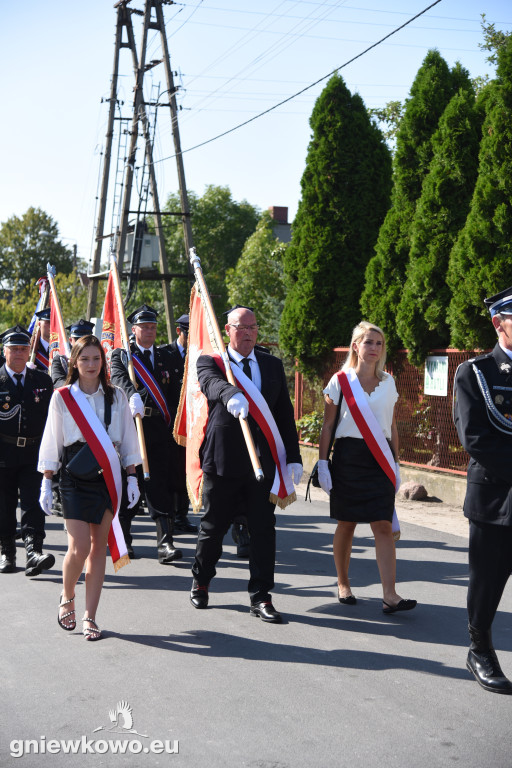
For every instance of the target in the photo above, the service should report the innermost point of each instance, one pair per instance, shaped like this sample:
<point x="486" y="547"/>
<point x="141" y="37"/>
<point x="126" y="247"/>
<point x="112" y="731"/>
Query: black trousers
<point x="21" y="482"/>
<point x="222" y="497"/>
<point x="490" y="565"/>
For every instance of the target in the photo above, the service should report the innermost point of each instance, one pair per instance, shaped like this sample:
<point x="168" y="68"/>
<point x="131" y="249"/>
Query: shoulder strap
<point x="331" y="441"/>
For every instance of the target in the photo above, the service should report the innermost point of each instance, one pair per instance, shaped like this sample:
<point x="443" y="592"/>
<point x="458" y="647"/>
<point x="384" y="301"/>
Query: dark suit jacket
<point x="25" y="421"/>
<point x="223" y="451"/>
<point x="155" y="428"/>
<point x="489" y="443"/>
<point x="59" y="370"/>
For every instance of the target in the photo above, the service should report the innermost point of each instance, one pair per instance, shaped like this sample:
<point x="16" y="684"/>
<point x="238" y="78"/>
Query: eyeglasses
<point x="244" y="327"/>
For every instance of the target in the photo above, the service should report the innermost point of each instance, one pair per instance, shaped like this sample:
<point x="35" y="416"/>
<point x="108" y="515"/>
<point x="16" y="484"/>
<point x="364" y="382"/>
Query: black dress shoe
<point x="266" y="612"/>
<point x="199" y="595"/>
<point x="349" y="600"/>
<point x="483" y="663"/>
<point x="182" y="525"/>
<point x="131" y="552"/>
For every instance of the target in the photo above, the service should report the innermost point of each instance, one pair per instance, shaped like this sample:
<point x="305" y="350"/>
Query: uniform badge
<point x="505" y="367"/>
<point x="7" y="397"/>
<point x="5" y="406"/>
<point x="508" y="416"/>
<point x="499" y="399"/>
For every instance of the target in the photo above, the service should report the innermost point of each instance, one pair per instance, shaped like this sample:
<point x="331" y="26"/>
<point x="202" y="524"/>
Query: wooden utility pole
<point x="139" y="114"/>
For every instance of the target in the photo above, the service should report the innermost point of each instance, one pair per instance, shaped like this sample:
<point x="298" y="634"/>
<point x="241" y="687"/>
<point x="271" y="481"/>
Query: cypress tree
<point x="433" y="87"/>
<point x="481" y="259"/>
<point x="345" y="194"/>
<point x="440" y="213"/>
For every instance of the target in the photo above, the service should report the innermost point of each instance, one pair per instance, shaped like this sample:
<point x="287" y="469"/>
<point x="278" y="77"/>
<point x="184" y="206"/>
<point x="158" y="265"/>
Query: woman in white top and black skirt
<point x="87" y="502"/>
<point x="360" y="490"/>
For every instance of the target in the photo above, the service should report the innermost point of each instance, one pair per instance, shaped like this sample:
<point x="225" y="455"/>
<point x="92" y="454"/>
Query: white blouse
<point x="382" y="402"/>
<point x="61" y="430"/>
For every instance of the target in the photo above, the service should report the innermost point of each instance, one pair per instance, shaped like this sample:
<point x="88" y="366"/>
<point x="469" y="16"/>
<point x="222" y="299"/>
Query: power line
<point x="307" y="88"/>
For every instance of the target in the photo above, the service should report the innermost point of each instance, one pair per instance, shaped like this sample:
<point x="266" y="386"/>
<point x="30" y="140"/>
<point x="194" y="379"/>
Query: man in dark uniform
<point x="59" y="367"/>
<point x="24" y="399"/>
<point x="483" y="417"/>
<point x="157" y="429"/>
<point x="228" y="476"/>
<point x="42" y="354"/>
<point x="177" y="475"/>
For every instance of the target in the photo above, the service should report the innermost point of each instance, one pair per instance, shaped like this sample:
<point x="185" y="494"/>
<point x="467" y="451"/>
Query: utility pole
<point x="139" y="114"/>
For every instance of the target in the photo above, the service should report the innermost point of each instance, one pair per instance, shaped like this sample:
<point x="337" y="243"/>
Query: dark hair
<point x="77" y="348"/>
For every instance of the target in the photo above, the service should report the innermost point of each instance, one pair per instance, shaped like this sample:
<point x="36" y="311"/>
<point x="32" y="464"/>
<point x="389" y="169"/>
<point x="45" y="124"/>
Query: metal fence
<point x="428" y="437"/>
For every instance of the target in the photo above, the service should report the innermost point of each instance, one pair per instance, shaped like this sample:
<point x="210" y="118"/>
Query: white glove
<point x="33" y="366"/>
<point x="46" y="496"/>
<point x="398" y="479"/>
<point x="295" y="471"/>
<point x="324" y="476"/>
<point x="136" y="405"/>
<point x="132" y="489"/>
<point x="238" y="406"/>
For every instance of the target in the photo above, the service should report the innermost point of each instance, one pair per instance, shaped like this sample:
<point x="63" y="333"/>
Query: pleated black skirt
<point x="82" y="500"/>
<point x="361" y="491"/>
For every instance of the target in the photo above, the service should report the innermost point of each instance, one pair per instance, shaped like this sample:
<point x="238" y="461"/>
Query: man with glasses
<point x="483" y="417"/>
<point x="229" y="483"/>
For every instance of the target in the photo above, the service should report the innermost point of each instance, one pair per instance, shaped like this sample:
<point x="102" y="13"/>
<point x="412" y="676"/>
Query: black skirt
<point x="361" y="491"/>
<point x="82" y="500"/>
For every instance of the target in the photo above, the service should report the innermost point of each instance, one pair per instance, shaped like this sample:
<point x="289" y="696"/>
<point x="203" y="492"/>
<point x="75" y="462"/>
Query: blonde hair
<point x="359" y="333"/>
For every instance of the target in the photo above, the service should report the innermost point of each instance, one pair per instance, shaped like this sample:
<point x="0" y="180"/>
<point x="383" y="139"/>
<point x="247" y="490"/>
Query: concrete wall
<point x="449" y="488"/>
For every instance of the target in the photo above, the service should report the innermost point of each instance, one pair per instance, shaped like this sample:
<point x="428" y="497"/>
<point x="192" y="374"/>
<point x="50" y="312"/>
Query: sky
<point x="233" y="60"/>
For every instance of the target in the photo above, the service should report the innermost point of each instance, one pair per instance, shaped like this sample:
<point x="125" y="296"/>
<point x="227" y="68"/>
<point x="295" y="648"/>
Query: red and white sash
<point x="282" y="492"/>
<point x="101" y="445"/>
<point x="369" y="428"/>
<point x="149" y="381"/>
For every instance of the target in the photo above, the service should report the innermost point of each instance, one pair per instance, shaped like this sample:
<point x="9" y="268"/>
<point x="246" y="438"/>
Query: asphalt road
<point x="333" y="686"/>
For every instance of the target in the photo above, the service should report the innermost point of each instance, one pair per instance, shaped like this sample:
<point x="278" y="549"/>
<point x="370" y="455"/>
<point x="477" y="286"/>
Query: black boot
<point x="181" y="521"/>
<point x="126" y="525"/>
<point x="483" y="663"/>
<point x="167" y="553"/>
<point x="36" y="561"/>
<point x="7" y="555"/>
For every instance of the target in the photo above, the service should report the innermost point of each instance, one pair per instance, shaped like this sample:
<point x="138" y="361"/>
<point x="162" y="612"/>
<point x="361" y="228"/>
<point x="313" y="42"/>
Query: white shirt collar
<point x="143" y="349"/>
<point x="237" y="356"/>
<point x="12" y="373"/>
<point x="45" y="344"/>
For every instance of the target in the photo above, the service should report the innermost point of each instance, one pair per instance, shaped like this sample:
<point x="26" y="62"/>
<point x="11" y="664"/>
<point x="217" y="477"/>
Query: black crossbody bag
<point x="313" y="478"/>
<point x="84" y="465"/>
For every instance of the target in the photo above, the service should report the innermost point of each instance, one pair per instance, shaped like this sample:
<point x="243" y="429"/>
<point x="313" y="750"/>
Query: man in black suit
<point x="177" y="473"/>
<point x="59" y="367"/>
<point x="24" y="399"/>
<point x="228" y="476"/>
<point x="157" y="429"/>
<point x="42" y="360"/>
<point x="483" y="417"/>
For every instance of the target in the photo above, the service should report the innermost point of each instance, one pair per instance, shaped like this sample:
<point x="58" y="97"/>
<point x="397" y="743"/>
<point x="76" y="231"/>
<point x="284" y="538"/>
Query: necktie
<point x="246" y="367"/>
<point x="147" y="359"/>
<point x="19" y="385"/>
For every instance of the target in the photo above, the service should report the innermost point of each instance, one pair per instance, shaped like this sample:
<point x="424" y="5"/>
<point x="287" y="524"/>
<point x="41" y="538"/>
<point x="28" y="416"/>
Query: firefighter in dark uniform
<point x="44" y="339"/>
<point x="24" y="399"/>
<point x="177" y="476"/>
<point x="483" y="417"/>
<point x="59" y="367"/>
<point x="157" y="433"/>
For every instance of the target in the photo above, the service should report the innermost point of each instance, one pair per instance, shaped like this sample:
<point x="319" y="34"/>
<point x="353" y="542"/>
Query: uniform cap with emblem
<point x="143" y="314"/>
<point x="237" y="306"/>
<point x="43" y="314"/>
<point x="183" y="323"/>
<point x="80" y="328"/>
<point x="16" y="337"/>
<point x="501" y="303"/>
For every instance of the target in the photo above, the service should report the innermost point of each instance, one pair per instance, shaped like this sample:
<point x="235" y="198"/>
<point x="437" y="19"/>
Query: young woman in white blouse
<point x="360" y="491"/>
<point x="86" y="504"/>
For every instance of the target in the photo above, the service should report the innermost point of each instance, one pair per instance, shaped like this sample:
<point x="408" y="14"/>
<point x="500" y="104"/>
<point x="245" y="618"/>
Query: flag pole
<point x="131" y="371"/>
<point x="51" y="271"/>
<point x="198" y="272"/>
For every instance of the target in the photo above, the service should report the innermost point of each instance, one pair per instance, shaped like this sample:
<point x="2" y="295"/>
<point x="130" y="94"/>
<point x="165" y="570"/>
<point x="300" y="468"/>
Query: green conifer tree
<point x="440" y="214"/>
<point x="433" y="87"/>
<point x="481" y="259"/>
<point x="345" y="194"/>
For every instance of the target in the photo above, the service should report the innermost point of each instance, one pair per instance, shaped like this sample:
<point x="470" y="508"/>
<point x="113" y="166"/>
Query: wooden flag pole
<point x="51" y="271"/>
<point x="36" y="333"/>
<point x="196" y="264"/>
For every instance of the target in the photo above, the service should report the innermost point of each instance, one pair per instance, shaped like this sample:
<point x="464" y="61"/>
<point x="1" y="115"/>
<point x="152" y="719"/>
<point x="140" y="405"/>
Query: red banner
<point x="192" y="415"/>
<point x="111" y="331"/>
<point x="56" y="343"/>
